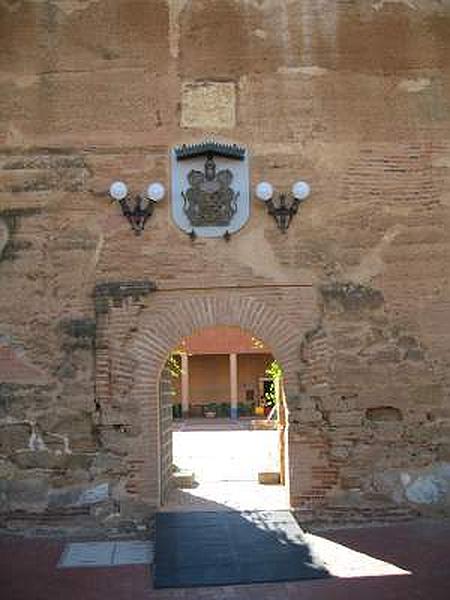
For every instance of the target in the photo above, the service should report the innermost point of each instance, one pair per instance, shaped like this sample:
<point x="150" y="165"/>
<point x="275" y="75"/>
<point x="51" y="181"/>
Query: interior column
<point x="234" y="386"/>
<point x="185" y="384"/>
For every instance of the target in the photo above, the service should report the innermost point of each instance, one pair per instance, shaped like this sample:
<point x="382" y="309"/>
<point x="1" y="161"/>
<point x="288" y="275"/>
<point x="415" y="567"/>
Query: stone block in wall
<point x="11" y="246"/>
<point x="29" y="494"/>
<point x="85" y="442"/>
<point x="55" y="442"/>
<point x="44" y="459"/>
<point x="84" y="495"/>
<point x="15" y="399"/>
<point x="347" y="419"/>
<point x="387" y="432"/>
<point x="208" y="104"/>
<point x="7" y="469"/>
<point x="308" y="415"/>
<point x="65" y="422"/>
<point x="428" y="489"/>
<point x="14" y="437"/>
<point x="118" y="439"/>
<point x="68" y="430"/>
<point x="107" y="463"/>
<point x="80" y="333"/>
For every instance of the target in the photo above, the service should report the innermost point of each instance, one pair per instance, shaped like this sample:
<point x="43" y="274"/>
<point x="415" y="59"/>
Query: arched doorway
<point x="225" y="443"/>
<point x="160" y="331"/>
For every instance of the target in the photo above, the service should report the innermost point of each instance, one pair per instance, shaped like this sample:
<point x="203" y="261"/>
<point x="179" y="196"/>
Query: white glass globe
<point x="118" y="190"/>
<point x="301" y="190"/>
<point x="156" y="191"/>
<point x="264" y="191"/>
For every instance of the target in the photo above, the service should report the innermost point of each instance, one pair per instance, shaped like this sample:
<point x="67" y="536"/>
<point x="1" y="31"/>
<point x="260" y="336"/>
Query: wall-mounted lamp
<point x="280" y="209"/>
<point x="142" y="209"/>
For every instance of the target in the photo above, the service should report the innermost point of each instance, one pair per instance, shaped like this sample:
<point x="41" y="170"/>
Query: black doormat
<point x="196" y="549"/>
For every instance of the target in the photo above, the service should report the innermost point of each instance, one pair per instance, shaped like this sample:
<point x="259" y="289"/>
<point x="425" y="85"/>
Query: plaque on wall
<point x="210" y="188"/>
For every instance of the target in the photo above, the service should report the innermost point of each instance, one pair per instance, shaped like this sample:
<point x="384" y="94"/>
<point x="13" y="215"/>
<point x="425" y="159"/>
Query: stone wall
<point x="354" y="300"/>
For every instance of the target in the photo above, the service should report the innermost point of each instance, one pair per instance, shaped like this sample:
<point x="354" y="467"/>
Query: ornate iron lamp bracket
<point x="282" y="209"/>
<point x="282" y="212"/>
<point x="139" y="214"/>
<point x="137" y="211"/>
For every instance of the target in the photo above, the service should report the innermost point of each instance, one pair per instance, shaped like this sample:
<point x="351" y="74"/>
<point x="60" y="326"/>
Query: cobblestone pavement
<point x="28" y="571"/>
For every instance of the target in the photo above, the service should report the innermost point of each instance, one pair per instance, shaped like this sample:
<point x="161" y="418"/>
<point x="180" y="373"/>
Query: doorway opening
<point x="227" y="410"/>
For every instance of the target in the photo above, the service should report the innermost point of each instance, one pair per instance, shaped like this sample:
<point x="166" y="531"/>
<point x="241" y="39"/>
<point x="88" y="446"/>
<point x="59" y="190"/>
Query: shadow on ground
<point x="225" y="547"/>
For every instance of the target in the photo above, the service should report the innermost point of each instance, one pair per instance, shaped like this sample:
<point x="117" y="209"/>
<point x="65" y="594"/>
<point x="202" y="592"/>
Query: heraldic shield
<point x="210" y="188"/>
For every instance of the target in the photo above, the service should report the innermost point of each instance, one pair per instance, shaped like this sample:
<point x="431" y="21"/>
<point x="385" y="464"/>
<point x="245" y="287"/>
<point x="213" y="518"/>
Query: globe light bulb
<point x="301" y="190"/>
<point x="156" y="191"/>
<point x="118" y="190"/>
<point x="264" y="191"/>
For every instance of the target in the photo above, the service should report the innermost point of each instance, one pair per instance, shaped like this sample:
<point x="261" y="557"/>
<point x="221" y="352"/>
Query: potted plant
<point x="243" y="409"/>
<point x="177" y="411"/>
<point x="210" y="410"/>
<point x="223" y="409"/>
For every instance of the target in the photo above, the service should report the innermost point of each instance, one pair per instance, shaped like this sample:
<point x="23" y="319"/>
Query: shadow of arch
<point x="162" y="329"/>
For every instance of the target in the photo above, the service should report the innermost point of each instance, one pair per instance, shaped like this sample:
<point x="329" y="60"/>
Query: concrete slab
<point x="133" y="553"/>
<point x="106" y="554"/>
<point x="87" y="554"/>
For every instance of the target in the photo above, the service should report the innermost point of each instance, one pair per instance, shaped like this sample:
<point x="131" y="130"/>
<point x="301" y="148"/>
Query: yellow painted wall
<point x="209" y="377"/>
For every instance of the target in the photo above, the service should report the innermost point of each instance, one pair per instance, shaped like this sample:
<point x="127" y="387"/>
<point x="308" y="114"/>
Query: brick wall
<point x="165" y="398"/>
<point x="354" y="300"/>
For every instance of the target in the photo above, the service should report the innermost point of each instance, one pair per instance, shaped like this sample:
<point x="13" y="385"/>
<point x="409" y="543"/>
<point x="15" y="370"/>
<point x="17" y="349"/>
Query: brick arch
<point x="162" y="329"/>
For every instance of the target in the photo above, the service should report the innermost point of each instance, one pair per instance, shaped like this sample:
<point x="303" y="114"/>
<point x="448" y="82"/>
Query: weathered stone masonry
<point x="354" y="300"/>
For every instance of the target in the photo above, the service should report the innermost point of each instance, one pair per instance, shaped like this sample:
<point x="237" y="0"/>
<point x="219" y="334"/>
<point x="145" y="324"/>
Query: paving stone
<point x="88" y="554"/>
<point x="133" y="553"/>
<point x="107" y="554"/>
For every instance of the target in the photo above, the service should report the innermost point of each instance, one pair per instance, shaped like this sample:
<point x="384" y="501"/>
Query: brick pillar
<point x="234" y="386"/>
<point x="185" y="384"/>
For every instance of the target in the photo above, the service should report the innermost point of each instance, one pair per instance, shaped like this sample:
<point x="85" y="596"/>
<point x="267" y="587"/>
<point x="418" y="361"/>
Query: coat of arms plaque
<point x="210" y="188"/>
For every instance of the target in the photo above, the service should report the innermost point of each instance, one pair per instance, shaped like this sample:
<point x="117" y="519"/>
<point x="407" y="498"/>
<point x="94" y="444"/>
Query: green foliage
<point x="275" y="372"/>
<point x="174" y="365"/>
